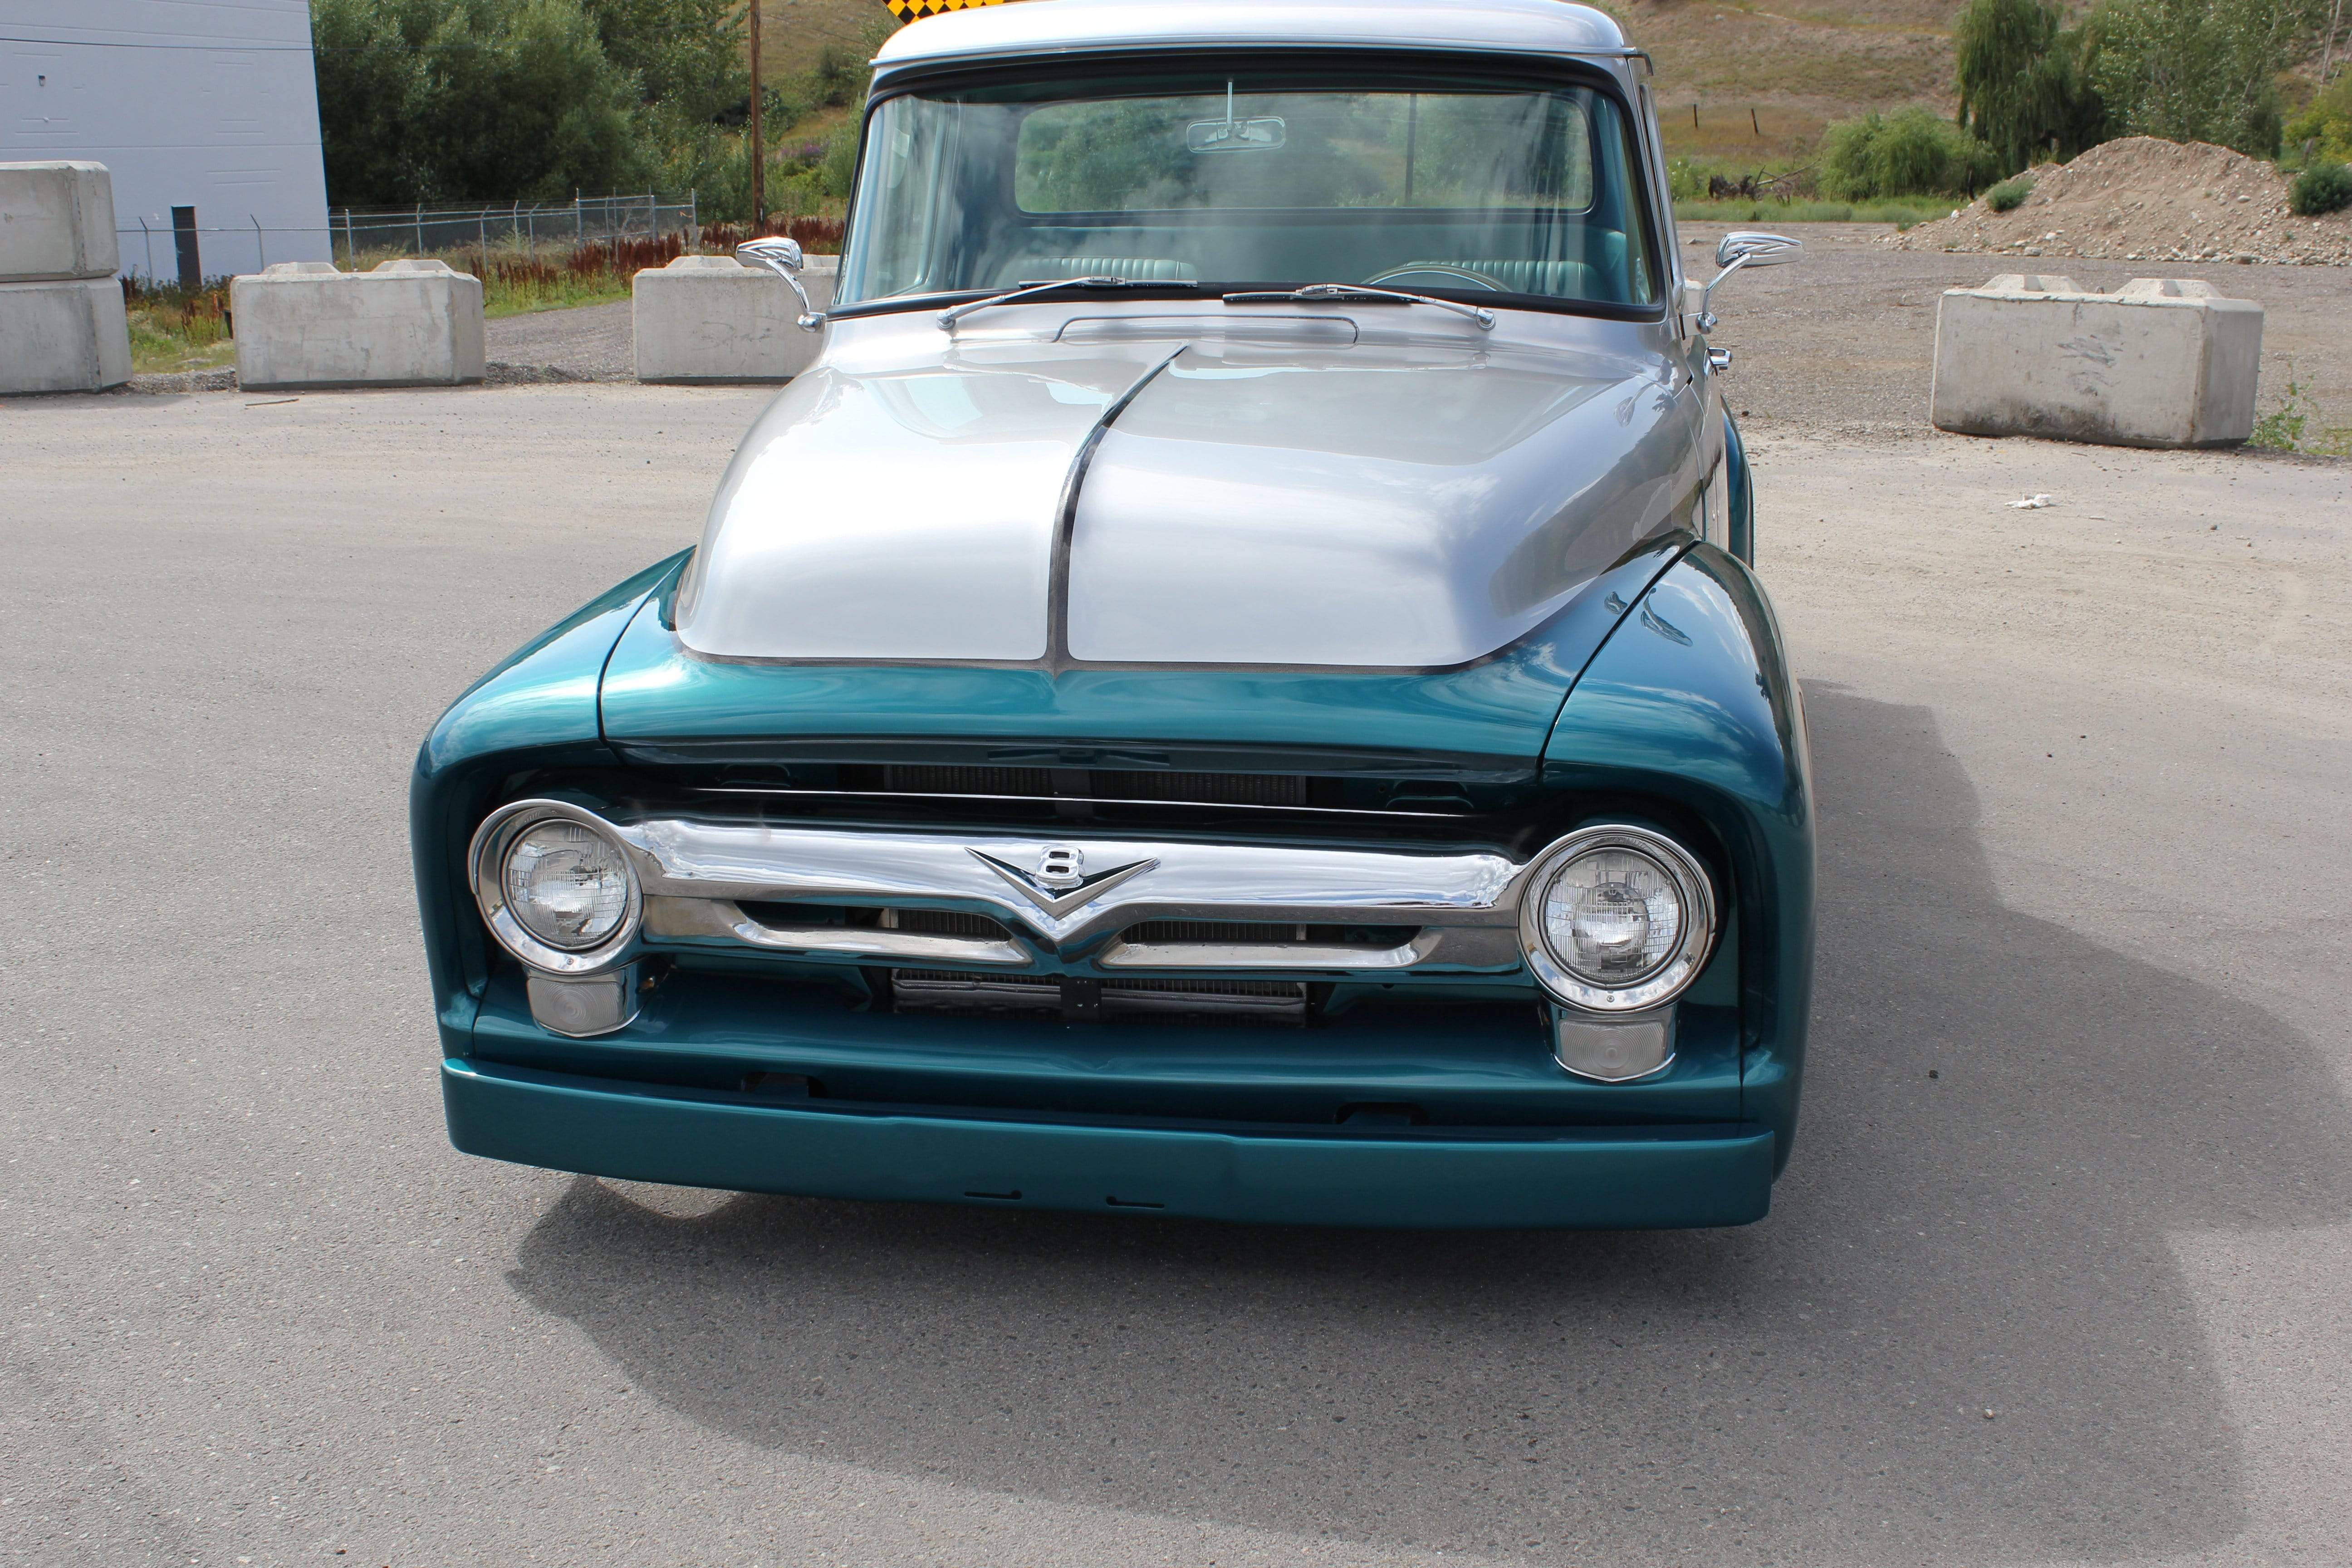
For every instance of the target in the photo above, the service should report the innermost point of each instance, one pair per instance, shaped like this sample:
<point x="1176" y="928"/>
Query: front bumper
<point x="1239" y="1124"/>
<point x="1452" y="1177"/>
<point x="1586" y="1179"/>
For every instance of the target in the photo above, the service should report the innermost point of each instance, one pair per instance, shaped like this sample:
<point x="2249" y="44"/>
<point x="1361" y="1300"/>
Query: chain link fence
<point x="426" y="231"/>
<point x="154" y="252"/>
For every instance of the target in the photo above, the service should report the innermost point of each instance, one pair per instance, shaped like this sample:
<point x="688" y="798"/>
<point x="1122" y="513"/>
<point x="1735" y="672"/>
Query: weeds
<point x="176" y="328"/>
<point x="515" y="284"/>
<point x="2009" y="194"/>
<point x="2292" y="427"/>
<point x="818" y="236"/>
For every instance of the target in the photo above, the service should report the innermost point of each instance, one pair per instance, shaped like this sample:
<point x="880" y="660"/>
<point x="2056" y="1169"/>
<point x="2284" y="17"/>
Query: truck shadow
<point x="1991" y="1239"/>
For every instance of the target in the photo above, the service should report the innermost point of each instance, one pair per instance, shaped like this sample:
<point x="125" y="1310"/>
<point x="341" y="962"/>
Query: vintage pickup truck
<point x="1234" y="687"/>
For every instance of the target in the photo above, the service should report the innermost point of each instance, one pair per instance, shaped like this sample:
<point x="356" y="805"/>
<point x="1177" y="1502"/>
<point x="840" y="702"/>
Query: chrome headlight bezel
<point x="486" y="865"/>
<point x="1662" y="984"/>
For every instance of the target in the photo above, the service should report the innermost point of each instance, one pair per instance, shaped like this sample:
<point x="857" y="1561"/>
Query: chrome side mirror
<point x="1744" y="248"/>
<point x="1748" y="249"/>
<point x="783" y="256"/>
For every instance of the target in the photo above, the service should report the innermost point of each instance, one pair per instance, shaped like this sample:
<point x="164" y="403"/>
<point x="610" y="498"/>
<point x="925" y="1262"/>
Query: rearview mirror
<point x="1746" y="249"/>
<point x="784" y="258"/>
<point x="783" y="255"/>
<point x="1739" y="248"/>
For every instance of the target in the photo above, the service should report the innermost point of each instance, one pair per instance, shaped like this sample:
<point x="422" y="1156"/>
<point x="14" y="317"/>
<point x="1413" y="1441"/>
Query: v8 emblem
<point x="1061" y="882"/>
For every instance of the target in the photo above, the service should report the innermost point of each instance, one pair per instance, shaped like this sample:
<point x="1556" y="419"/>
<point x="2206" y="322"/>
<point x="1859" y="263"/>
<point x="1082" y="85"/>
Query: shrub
<point x="2322" y="131"/>
<point x="1912" y="152"/>
<point x="2322" y="188"/>
<point x="2009" y="194"/>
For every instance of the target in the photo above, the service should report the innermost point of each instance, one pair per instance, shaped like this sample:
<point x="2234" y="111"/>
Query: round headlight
<point x="567" y="884"/>
<point x="1615" y="919"/>
<point x="555" y="885"/>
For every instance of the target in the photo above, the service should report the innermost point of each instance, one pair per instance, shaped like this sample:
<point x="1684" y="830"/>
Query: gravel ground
<point x="1842" y="340"/>
<point x="2084" y="781"/>
<point x="590" y="342"/>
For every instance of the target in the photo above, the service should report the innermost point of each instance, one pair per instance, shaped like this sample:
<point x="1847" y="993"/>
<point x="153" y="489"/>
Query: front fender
<point x="1690" y="703"/>
<point x="537" y="708"/>
<point x="1743" y="491"/>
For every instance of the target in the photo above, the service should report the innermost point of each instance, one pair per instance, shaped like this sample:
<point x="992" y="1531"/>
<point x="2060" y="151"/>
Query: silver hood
<point x="1186" y="499"/>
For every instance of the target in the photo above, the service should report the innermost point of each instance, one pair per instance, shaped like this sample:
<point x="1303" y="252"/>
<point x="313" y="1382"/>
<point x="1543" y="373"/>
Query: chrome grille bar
<point x="1068" y="901"/>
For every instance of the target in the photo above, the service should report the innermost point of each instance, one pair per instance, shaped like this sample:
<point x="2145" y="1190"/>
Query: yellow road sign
<point x="915" y="10"/>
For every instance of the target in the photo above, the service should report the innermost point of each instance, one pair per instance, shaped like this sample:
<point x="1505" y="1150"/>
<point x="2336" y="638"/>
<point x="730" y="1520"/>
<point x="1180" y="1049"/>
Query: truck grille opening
<point x="941" y="923"/>
<point x="925" y="922"/>
<point x="1284" y="1000"/>
<point x="1098" y="783"/>
<point x="955" y="990"/>
<point x="960" y="992"/>
<point x="1254" y="933"/>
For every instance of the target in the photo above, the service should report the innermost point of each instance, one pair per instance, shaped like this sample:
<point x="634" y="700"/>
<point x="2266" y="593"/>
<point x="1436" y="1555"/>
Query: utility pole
<point x="758" y="143"/>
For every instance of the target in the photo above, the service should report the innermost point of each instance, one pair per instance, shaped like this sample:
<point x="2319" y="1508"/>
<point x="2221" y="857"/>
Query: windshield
<point x="1253" y="178"/>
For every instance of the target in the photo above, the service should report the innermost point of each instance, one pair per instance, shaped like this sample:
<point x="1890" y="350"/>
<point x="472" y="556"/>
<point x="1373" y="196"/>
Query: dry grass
<point x="1766" y="82"/>
<point x="792" y="33"/>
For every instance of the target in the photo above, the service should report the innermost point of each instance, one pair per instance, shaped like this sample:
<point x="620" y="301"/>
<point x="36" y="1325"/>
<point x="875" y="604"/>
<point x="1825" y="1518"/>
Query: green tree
<point x="2024" y="89"/>
<point x="2199" y="70"/>
<point x="689" y="54"/>
<point x="435" y="100"/>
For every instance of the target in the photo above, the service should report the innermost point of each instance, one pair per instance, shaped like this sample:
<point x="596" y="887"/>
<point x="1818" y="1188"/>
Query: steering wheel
<point x="1443" y="270"/>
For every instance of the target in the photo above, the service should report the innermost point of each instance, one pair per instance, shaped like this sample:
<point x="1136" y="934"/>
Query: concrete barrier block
<point x="711" y="318"/>
<point x="66" y="335"/>
<point x="407" y="324"/>
<point x="56" y="220"/>
<point x="2163" y="362"/>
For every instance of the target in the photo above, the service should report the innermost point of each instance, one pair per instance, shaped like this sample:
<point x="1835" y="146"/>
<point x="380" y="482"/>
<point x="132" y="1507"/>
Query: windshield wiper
<point x="948" y="318"/>
<point x="1357" y="293"/>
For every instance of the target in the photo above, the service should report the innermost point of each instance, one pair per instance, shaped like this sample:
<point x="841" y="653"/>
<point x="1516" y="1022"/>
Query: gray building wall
<point x="204" y="103"/>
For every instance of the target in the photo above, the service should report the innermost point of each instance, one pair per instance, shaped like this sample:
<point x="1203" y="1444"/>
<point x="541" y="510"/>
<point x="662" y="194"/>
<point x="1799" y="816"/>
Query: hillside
<point x="1796" y="69"/>
<point x="792" y="33"/>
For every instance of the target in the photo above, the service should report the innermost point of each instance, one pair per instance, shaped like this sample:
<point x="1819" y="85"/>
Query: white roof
<point x="1050" y="27"/>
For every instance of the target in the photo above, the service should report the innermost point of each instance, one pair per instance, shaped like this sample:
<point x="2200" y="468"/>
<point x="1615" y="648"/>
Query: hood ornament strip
<point x="1066" y="520"/>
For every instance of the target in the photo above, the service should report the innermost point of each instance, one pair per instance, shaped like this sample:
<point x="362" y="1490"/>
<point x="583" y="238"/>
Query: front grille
<point x="954" y="991"/>
<point x="941" y="923"/>
<point x="1254" y="934"/>
<point x="920" y="780"/>
<point x="1214" y="789"/>
<point x="924" y="922"/>
<point x="961" y="991"/>
<point x="1096" y="784"/>
<point x="1269" y="999"/>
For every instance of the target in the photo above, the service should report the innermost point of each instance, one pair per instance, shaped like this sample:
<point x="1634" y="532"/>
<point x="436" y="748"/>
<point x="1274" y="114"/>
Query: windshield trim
<point x="1211" y="292"/>
<point x="1548" y="71"/>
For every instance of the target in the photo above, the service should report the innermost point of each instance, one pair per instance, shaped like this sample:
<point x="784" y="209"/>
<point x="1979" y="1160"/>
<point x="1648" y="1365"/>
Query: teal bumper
<point x="1586" y="1178"/>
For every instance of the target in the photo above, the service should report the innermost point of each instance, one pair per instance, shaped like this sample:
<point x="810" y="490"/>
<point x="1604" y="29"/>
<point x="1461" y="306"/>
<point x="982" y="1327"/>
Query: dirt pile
<point x="2141" y="199"/>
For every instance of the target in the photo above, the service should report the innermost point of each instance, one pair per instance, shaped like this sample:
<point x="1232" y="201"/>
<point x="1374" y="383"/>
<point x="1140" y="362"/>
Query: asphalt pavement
<point x="2058" y="1274"/>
